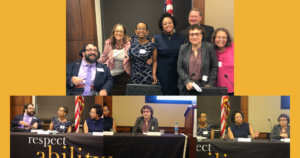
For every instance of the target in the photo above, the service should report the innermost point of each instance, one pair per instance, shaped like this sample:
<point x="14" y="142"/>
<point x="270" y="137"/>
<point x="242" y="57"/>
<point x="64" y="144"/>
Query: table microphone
<point x="228" y="80"/>
<point x="271" y="128"/>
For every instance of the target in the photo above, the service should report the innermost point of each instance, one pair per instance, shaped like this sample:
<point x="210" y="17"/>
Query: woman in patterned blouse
<point x="60" y="123"/>
<point x="204" y="129"/>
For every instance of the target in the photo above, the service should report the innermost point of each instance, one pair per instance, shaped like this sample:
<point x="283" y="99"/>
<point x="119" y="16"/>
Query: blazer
<point x="107" y="56"/>
<point x="17" y="119"/>
<point x="153" y="125"/>
<point x="103" y="80"/>
<point x="275" y="134"/>
<point x="208" y="33"/>
<point x="209" y="64"/>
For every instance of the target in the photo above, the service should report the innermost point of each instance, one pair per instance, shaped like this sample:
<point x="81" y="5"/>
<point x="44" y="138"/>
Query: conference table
<point x="74" y="145"/>
<point x="257" y="148"/>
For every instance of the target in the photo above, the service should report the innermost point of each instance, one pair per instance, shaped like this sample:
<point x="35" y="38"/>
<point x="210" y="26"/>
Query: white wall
<point x="126" y="109"/>
<point x="219" y="13"/>
<point x="263" y="107"/>
<point x="99" y="24"/>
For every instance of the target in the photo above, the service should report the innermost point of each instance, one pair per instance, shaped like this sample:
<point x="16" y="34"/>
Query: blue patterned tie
<point x="87" y="87"/>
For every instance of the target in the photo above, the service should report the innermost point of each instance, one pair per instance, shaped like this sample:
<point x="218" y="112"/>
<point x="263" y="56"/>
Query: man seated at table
<point x="282" y="130"/>
<point x="240" y="129"/>
<point x="88" y="77"/>
<point x="146" y="122"/>
<point x="27" y="120"/>
<point x="204" y="129"/>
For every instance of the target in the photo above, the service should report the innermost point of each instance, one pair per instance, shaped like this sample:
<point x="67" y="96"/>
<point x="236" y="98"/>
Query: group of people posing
<point x="174" y="60"/>
<point x="240" y="129"/>
<point x="98" y="121"/>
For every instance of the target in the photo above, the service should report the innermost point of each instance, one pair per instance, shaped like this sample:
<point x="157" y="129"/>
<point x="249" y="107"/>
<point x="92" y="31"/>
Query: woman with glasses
<point x="115" y="56"/>
<point x="282" y="130"/>
<point x="146" y="122"/>
<point x="197" y="62"/>
<point x="240" y="129"/>
<point x="224" y="47"/>
<point x="141" y="53"/>
<point x="60" y="123"/>
<point x="95" y="122"/>
<point x="167" y="45"/>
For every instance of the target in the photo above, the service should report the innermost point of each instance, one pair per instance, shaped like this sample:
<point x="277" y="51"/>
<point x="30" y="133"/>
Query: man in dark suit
<point x="195" y="17"/>
<point x="27" y="119"/>
<point x="88" y="77"/>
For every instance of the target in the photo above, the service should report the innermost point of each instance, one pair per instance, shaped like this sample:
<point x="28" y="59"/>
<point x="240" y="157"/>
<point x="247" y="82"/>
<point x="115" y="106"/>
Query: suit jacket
<point x="17" y="119"/>
<point x="208" y="33"/>
<point x="103" y="80"/>
<point x="138" y="127"/>
<point x="209" y="64"/>
<point x="275" y="134"/>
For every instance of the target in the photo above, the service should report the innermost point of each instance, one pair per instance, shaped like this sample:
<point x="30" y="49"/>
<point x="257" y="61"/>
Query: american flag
<point x="169" y="6"/>
<point x="79" y="104"/>
<point x="225" y="109"/>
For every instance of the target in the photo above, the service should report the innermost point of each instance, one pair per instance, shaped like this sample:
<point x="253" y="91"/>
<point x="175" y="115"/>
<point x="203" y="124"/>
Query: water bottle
<point x="176" y="128"/>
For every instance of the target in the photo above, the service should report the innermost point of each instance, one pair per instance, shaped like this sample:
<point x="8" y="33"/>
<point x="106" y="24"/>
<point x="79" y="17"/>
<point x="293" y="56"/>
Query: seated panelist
<point x="240" y="129"/>
<point x="27" y="120"/>
<point x="146" y="122"/>
<point x="282" y="130"/>
<point x="204" y="129"/>
<point x="95" y="122"/>
<point x="60" y="123"/>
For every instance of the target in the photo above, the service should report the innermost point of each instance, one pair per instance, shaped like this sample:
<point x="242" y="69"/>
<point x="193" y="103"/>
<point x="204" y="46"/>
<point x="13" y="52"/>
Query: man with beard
<point x="87" y="77"/>
<point x="26" y="120"/>
<point x="195" y="17"/>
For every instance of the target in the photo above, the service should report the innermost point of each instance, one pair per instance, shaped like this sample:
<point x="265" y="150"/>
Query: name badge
<point x="205" y="132"/>
<point x="100" y="69"/>
<point x="220" y="64"/>
<point x="142" y="51"/>
<point x="204" y="78"/>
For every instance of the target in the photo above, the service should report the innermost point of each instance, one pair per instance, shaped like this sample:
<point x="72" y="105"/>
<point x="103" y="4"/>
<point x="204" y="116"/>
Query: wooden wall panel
<point x="81" y="27"/>
<point x="74" y="27"/>
<point x="73" y="48"/>
<point x="244" y="107"/>
<point x="201" y="5"/>
<point x="88" y="19"/>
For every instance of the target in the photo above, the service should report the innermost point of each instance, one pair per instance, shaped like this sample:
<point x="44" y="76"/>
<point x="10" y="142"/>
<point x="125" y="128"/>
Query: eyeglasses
<point x="195" y="34"/>
<point x="92" y="113"/>
<point x="91" y="50"/>
<point x="119" y="31"/>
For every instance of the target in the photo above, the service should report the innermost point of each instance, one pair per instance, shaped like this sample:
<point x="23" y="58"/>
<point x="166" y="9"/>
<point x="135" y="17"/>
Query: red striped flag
<point x="225" y="109"/>
<point x="169" y="6"/>
<point x="79" y="104"/>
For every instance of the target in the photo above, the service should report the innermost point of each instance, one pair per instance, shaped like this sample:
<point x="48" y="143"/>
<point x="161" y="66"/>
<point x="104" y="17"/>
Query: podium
<point x="143" y="89"/>
<point x="189" y="127"/>
<point x="208" y="91"/>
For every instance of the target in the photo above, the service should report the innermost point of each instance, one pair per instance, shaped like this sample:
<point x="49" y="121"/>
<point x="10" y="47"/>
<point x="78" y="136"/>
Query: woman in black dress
<point x="167" y="44"/>
<point x="109" y="124"/>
